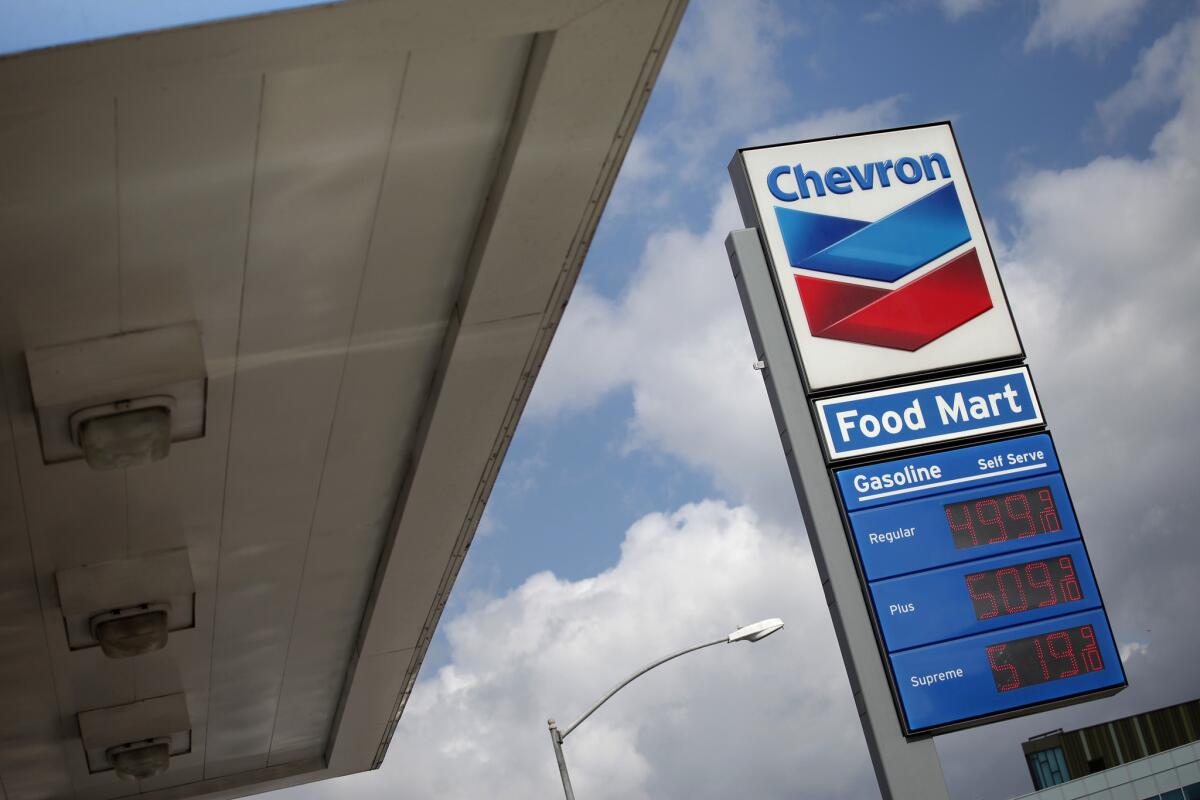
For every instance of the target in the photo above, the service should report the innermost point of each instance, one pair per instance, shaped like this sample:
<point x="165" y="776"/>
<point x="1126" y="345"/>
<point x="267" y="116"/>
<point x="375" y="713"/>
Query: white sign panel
<point x="925" y="413"/>
<point x="879" y="252"/>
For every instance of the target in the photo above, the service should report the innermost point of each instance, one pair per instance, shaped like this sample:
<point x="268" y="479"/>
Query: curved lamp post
<point x="748" y="633"/>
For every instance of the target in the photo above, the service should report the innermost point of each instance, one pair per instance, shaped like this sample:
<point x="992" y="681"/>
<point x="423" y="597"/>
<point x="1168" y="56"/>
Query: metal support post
<point x="562" y="762"/>
<point x="905" y="770"/>
<point x="557" y="736"/>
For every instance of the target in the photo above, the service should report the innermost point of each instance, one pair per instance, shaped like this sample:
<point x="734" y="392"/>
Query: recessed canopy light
<point x="132" y="631"/>
<point x="137" y="761"/>
<point x="119" y="400"/>
<point x="124" y="434"/>
<point x="136" y="740"/>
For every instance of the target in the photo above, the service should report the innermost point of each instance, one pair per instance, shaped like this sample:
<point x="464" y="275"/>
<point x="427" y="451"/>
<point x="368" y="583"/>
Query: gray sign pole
<point x="906" y="770"/>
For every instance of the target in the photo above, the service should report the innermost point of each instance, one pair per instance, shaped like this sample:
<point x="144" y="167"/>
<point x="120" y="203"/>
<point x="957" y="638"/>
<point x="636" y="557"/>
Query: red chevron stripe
<point x="907" y="318"/>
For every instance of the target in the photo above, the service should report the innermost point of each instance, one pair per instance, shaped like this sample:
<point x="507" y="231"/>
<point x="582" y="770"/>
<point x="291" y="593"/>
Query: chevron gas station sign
<point x="880" y="255"/>
<point x="916" y="438"/>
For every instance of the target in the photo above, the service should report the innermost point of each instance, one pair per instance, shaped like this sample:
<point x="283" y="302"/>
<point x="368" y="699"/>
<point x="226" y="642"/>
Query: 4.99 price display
<point x="1001" y="517"/>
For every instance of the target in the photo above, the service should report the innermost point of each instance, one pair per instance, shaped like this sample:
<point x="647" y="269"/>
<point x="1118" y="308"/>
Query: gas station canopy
<point x="275" y="292"/>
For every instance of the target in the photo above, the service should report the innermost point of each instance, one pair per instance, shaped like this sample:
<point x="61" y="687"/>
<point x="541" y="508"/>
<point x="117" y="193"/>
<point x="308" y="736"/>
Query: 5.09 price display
<point x="1021" y="587"/>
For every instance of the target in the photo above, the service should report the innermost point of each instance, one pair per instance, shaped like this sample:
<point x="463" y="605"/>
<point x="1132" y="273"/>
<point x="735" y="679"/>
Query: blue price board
<point x="986" y="520"/>
<point x="965" y="599"/>
<point x="982" y="592"/>
<point x="1007" y="669"/>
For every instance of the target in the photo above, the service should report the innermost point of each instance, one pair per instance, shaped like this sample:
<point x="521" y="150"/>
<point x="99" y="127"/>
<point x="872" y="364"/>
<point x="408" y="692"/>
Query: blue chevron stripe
<point x="885" y="250"/>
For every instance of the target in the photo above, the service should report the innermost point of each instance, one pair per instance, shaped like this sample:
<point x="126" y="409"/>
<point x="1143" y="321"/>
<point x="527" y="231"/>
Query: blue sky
<point x="645" y="502"/>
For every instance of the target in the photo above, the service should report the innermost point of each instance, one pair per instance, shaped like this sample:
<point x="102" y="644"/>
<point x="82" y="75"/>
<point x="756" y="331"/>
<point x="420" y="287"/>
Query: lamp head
<point x="757" y="631"/>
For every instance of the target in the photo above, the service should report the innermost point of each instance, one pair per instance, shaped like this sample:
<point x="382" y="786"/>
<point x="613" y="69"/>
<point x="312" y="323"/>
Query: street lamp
<point x="748" y="633"/>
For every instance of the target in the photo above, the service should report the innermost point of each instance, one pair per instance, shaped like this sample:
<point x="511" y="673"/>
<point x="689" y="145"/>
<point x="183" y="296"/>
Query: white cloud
<point x="1086" y="24"/>
<point x="639" y="164"/>
<point x="769" y="719"/>
<point x="957" y="9"/>
<point x="834" y="122"/>
<point x="1133" y="650"/>
<point x="727" y="60"/>
<point x="721" y="71"/>
<point x="678" y="340"/>
<point x="1162" y="75"/>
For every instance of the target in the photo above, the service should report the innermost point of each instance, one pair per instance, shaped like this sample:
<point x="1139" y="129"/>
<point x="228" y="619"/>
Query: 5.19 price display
<point x="1045" y="657"/>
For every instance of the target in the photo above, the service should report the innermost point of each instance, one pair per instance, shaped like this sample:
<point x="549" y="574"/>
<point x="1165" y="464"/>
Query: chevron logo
<point x="905" y="318"/>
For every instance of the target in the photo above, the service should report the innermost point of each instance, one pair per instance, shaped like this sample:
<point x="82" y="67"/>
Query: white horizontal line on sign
<point x="951" y="482"/>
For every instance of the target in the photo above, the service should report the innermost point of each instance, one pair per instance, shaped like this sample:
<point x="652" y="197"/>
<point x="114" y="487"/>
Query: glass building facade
<point x="1171" y="775"/>
<point x="1061" y="756"/>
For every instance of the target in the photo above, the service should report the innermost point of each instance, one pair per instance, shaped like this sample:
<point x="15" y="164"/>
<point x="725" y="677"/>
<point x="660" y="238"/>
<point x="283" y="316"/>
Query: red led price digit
<point x="982" y="596"/>
<point x="1048" y="516"/>
<point x="1017" y="507"/>
<point x="1064" y="651"/>
<point x="1038" y="575"/>
<point x="1012" y="679"/>
<point x="1091" y="651"/>
<point x="1069" y="583"/>
<point x="988" y="511"/>
<point x="1009" y="606"/>
<point x="966" y="525"/>
<point x="1037" y="646"/>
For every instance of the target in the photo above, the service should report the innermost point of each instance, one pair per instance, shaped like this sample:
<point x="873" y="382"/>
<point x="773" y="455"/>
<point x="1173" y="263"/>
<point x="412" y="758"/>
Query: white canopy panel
<point x="374" y="212"/>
